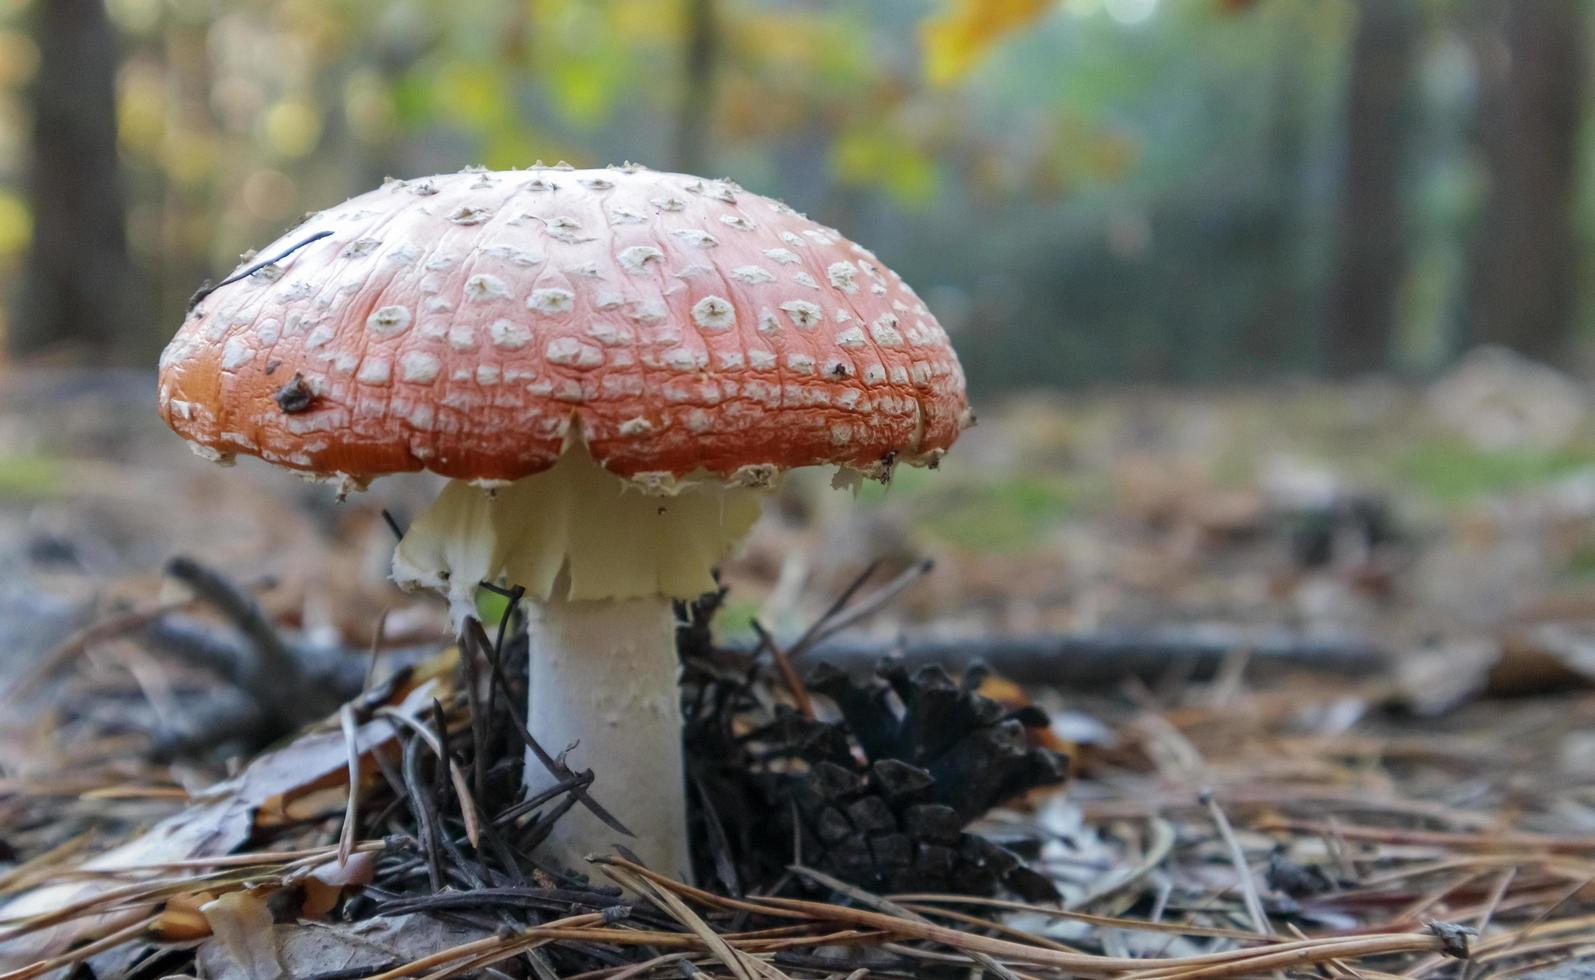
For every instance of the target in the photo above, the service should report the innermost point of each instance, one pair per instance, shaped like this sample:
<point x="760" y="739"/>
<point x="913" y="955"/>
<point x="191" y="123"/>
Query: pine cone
<point x="938" y="755"/>
<point x="880" y="799"/>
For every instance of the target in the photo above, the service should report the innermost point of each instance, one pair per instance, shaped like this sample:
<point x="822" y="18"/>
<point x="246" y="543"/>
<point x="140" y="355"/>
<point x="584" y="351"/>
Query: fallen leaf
<point x="327" y="881"/>
<point x="220" y="821"/>
<point x="242" y="926"/>
<point x="307" y="949"/>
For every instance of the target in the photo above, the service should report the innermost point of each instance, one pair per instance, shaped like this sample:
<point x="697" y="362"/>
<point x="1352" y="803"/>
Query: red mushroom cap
<point x="469" y="323"/>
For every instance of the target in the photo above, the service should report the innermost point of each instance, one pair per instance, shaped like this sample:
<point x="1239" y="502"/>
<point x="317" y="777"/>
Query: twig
<point x="422" y="807"/>
<point x="838" y="603"/>
<point x="1248" y="884"/>
<point x="82" y="953"/>
<point x="468" y="809"/>
<point x="1163" y="839"/>
<point x="378" y="634"/>
<point x="275" y="678"/>
<point x="474" y="632"/>
<point x="875" y="901"/>
<point x="206" y="289"/>
<point x="839" y="619"/>
<point x="789" y="675"/>
<point x="676" y="908"/>
<point x="393" y="524"/>
<point x="1105" y="659"/>
<point x="351" y="811"/>
<point x="81" y="639"/>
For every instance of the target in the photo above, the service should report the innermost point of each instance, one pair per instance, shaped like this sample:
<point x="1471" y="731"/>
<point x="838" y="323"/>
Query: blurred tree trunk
<point x="695" y="114"/>
<point x="81" y="291"/>
<point x="1272" y="342"/>
<point x="1533" y="68"/>
<point x="1362" y="301"/>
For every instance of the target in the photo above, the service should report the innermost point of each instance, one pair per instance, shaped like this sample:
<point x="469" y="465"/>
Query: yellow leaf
<point x="956" y="39"/>
<point x="291" y="128"/>
<point x="885" y="159"/>
<point x="16" y="224"/>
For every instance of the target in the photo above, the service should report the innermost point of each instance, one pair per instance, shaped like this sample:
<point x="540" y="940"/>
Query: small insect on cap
<point x="471" y="324"/>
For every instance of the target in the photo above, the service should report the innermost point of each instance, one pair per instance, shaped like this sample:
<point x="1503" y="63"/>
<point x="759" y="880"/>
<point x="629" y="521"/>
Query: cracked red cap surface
<point x="470" y="323"/>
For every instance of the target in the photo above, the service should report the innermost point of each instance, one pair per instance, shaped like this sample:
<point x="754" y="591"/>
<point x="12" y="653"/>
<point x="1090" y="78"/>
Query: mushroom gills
<point x="610" y="539"/>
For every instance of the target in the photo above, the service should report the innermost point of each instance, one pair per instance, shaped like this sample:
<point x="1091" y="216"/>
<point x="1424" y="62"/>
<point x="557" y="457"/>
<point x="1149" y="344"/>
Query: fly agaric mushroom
<point x="610" y="366"/>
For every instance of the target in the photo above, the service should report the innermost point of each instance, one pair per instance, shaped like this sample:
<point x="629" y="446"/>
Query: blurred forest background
<point x="1087" y="190"/>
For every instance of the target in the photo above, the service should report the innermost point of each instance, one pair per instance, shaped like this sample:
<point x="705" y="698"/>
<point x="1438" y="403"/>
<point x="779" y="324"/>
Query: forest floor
<point x="1362" y="617"/>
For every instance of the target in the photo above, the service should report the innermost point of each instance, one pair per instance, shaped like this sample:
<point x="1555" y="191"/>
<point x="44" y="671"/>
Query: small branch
<point x="274" y="676"/>
<point x="839" y="619"/>
<point x="207" y="288"/>
<point x="789" y="674"/>
<point x="1254" y="902"/>
<point x="1106" y="659"/>
<point x="351" y="813"/>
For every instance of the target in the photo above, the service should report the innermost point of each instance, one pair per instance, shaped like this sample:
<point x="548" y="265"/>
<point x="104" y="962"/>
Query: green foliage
<point x="1009" y="514"/>
<point x="1094" y="196"/>
<point x="734" y="622"/>
<point x="874" y="157"/>
<point x="1012" y="515"/>
<point x="1450" y="471"/>
<point x="491" y="608"/>
<point x="30" y="477"/>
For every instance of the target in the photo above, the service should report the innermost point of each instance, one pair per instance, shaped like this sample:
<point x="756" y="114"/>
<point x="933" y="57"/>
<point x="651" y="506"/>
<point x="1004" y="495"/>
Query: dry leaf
<point x="220" y="821"/>
<point x="327" y="881"/>
<point x="182" y="920"/>
<point x="242" y="926"/>
<point x="308" y="949"/>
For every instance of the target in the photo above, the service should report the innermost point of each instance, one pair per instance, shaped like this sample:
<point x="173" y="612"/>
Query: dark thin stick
<point x="580" y="781"/>
<point x="837" y="604"/>
<point x="444" y="781"/>
<point x="537" y="831"/>
<point x="1105" y="659"/>
<point x="206" y="290"/>
<point x="275" y="677"/>
<point x="393" y="524"/>
<point x="541" y="899"/>
<point x="421" y="806"/>
<point x="464" y="866"/>
<point x="724" y="866"/>
<point x="445" y="760"/>
<point x="505" y="591"/>
<point x="497" y="653"/>
<point x="473" y="699"/>
<point x="440" y="782"/>
<point x="490" y="837"/>
<point x="473" y="629"/>
<point x="514" y="595"/>
<point x="839" y="619"/>
<point x="468" y="809"/>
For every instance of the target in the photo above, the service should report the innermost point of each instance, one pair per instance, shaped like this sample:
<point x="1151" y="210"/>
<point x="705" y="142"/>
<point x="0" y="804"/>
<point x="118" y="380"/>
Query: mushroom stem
<point x="600" y="560"/>
<point x="603" y="684"/>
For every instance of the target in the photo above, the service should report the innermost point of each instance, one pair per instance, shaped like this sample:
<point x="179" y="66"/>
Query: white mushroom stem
<point x="600" y="561"/>
<point x="604" y="679"/>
